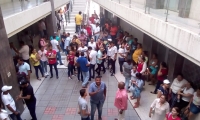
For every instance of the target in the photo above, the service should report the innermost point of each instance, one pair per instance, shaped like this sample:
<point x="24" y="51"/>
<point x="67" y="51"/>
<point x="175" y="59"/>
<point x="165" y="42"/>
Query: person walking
<point x="9" y="103"/>
<point x="70" y="59"/>
<point x="83" y="105"/>
<point x="78" y="20"/>
<point x="51" y="55"/>
<point x="83" y="63"/>
<point x="27" y="93"/>
<point x="113" y="56"/>
<point x="43" y="60"/>
<point x="121" y="100"/>
<point x="67" y="43"/>
<point x="93" y="59"/>
<point x="127" y="72"/>
<point x="97" y="92"/>
<point x="35" y="60"/>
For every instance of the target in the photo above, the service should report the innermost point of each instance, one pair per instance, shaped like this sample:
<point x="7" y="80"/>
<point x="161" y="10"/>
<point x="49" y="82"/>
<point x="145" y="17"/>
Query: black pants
<point x="36" y="71"/>
<point x="158" y="86"/>
<point x="108" y="62"/>
<point x="112" y="62"/>
<point x="102" y="65"/>
<point x="31" y="107"/>
<point x="98" y="69"/>
<point x="120" y="65"/>
<point x="70" y="69"/>
<point x="15" y="117"/>
<point x="55" y="67"/>
<point x="78" y="28"/>
<point x="92" y="69"/>
<point x="27" y="61"/>
<point x="182" y="104"/>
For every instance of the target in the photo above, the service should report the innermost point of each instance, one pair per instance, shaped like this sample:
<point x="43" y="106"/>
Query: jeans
<point x="13" y="116"/>
<point x="96" y="37"/>
<point x="44" y="66"/>
<point x="127" y="81"/>
<point x="58" y="56"/>
<point x="88" y="118"/>
<point x="66" y="51"/>
<point x="36" y="71"/>
<point x="102" y="65"/>
<point x="80" y="74"/>
<point x="112" y="62"/>
<point x="70" y="69"/>
<point x="31" y="107"/>
<point x="95" y="106"/>
<point x="27" y="61"/>
<point x="98" y="69"/>
<point x="85" y="78"/>
<point x="55" y="67"/>
<point x="120" y="64"/>
<point x="78" y="28"/>
<point x="92" y="69"/>
<point x="62" y="46"/>
<point x="158" y="85"/>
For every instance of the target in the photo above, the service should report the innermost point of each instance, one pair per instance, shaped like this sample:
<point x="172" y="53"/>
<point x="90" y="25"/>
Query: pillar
<point x="8" y="73"/>
<point x="51" y="21"/>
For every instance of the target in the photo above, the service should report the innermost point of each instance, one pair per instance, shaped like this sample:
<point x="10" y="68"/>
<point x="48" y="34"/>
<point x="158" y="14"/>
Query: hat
<point x="166" y="81"/>
<point x="23" y="82"/>
<point x="109" y="39"/>
<point x="6" y="88"/>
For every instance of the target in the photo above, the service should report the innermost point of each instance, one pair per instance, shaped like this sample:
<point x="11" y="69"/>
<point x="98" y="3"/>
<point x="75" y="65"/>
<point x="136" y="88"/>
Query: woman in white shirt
<point x="159" y="108"/>
<point x="43" y="60"/>
<point x="194" y="105"/>
<point x="121" y="57"/>
<point x="4" y="115"/>
<point x="184" y="95"/>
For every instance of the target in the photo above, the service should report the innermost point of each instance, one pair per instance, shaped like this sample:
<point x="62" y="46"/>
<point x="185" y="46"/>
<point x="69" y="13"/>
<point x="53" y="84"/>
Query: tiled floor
<point x="57" y="99"/>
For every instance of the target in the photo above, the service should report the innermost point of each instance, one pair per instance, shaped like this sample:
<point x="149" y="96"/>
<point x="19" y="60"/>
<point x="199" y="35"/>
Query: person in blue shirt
<point x="84" y="64"/>
<point x="97" y="92"/>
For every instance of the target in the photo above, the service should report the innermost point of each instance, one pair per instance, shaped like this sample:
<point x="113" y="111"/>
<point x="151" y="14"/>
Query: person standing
<point x="78" y="20"/>
<point x="97" y="92"/>
<point x="100" y="58"/>
<point x="27" y="94"/>
<point x="93" y="59"/>
<point x="51" y="55"/>
<point x="23" y="67"/>
<point x="121" y="100"/>
<point x="56" y="47"/>
<point x="96" y="32"/>
<point x="9" y="103"/>
<point x="92" y="44"/>
<point x="43" y="60"/>
<point x="70" y="59"/>
<point x="113" y="56"/>
<point x="35" y="60"/>
<point x="137" y="53"/>
<point x="67" y="42"/>
<point x="83" y="105"/>
<point x="127" y="72"/>
<point x="83" y="63"/>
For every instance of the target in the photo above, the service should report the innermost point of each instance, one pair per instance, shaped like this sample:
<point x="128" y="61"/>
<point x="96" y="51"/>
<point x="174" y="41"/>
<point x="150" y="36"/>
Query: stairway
<point x="78" y="5"/>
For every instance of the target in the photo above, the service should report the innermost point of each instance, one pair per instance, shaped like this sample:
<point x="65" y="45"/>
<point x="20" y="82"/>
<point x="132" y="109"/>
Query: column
<point x="51" y="21"/>
<point x="8" y="73"/>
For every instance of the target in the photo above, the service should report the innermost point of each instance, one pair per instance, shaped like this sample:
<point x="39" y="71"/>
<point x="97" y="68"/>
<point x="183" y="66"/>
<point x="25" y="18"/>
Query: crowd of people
<point x="94" y="50"/>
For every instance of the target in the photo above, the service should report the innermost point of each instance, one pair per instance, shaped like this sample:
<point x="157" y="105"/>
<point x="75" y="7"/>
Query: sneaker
<point x="61" y="64"/>
<point x="69" y="78"/>
<point x="47" y="74"/>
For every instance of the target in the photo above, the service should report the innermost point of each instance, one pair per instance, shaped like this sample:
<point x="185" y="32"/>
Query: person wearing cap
<point x="27" y="93"/>
<point x="9" y="103"/>
<point x="163" y="89"/>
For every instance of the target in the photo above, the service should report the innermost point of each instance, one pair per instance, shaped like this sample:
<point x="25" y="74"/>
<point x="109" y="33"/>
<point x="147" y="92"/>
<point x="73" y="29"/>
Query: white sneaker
<point x="69" y="78"/>
<point x="47" y="74"/>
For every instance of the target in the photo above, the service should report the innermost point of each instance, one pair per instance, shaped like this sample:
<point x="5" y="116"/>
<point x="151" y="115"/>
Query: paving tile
<point x="60" y="110"/>
<point x="42" y="103"/>
<point x="71" y="111"/>
<point x="72" y="104"/>
<point x="39" y="110"/>
<point x="57" y="117"/>
<point x="46" y="117"/>
<point x="110" y="99"/>
<point x="68" y="117"/>
<point x="111" y="105"/>
<point x="50" y="110"/>
<point x="74" y="98"/>
<point x="53" y="103"/>
<point x="49" y="92"/>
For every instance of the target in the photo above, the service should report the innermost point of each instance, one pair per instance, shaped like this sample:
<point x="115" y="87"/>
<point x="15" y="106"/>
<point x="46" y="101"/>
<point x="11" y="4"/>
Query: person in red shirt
<point x="162" y="74"/>
<point x="113" y="32"/>
<point x="89" y="31"/>
<point x="70" y="59"/>
<point x="51" y="55"/>
<point x="174" y="114"/>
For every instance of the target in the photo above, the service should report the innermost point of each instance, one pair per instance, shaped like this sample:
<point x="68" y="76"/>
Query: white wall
<point x="5" y="1"/>
<point x="132" y="30"/>
<point x="195" y="10"/>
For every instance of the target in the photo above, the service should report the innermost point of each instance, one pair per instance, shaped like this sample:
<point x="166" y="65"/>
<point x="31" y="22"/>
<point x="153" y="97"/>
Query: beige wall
<point x="195" y="10"/>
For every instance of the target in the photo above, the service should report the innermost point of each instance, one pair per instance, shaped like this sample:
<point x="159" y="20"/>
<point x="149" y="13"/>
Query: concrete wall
<point x="180" y="40"/>
<point x="195" y="10"/>
<point x="5" y="1"/>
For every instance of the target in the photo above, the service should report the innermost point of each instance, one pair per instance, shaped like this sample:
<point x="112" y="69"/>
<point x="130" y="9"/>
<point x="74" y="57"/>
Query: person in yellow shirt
<point x="35" y="60"/>
<point x="78" y="21"/>
<point x="137" y="53"/>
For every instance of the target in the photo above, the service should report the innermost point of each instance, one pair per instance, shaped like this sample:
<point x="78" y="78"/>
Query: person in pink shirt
<point x="121" y="100"/>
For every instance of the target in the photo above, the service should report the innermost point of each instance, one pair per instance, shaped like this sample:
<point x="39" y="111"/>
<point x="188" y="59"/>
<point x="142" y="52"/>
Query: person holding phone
<point x="121" y="100"/>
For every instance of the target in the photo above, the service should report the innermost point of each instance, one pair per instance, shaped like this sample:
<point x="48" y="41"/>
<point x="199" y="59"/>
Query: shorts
<point x="194" y="109"/>
<point x="153" y="70"/>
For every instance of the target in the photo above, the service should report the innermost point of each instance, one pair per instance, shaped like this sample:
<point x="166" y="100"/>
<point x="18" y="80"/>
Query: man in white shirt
<point x="93" y="59"/>
<point x="92" y="44"/>
<point x="177" y="84"/>
<point x="67" y="42"/>
<point x="56" y="47"/>
<point x="9" y="103"/>
<point x="96" y="32"/>
<point x="83" y="49"/>
<point x="113" y="56"/>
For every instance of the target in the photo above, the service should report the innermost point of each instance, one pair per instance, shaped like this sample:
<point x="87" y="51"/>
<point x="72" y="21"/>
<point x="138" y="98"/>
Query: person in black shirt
<point x="27" y="94"/>
<point x="62" y="43"/>
<point x="73" y="45"/>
